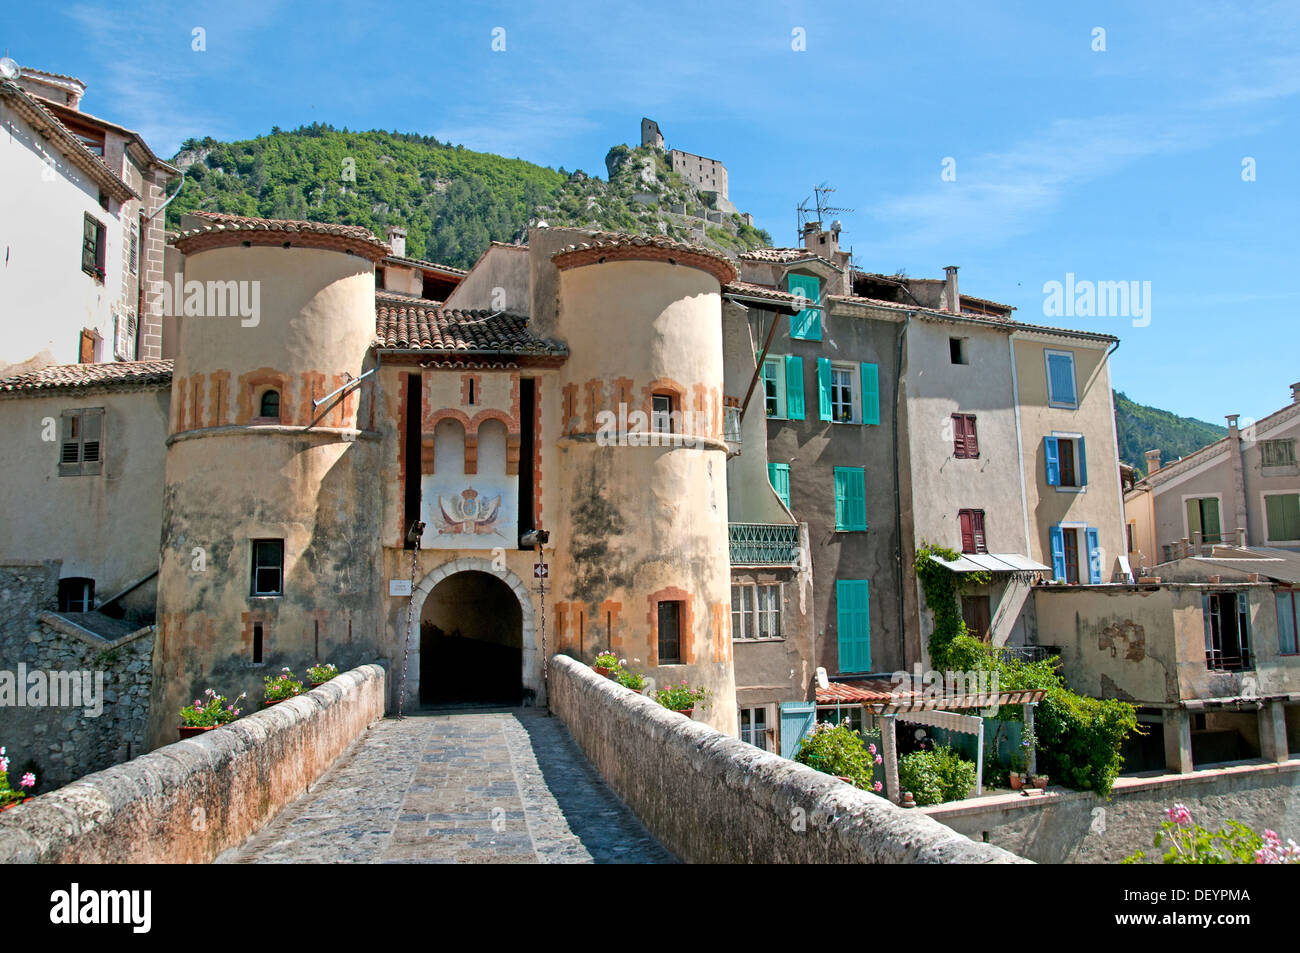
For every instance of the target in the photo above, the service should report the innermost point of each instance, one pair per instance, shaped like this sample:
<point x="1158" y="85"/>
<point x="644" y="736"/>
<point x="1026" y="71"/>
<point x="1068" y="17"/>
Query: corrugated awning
<point x="991" y="562"/>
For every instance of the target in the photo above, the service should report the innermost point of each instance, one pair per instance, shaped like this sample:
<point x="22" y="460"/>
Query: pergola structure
<point x="927" y="704"/>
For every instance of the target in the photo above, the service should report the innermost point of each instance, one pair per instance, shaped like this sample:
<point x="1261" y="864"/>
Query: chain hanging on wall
<point x="416" y="531"/>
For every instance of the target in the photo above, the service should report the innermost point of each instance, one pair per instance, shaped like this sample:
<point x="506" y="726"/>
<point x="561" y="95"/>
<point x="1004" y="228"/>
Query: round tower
<point x="641" y="544"/>
<point x="270" y="543"/>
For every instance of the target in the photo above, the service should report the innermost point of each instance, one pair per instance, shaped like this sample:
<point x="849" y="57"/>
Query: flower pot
<point x="601" y="670"/>
<point x="1040" y="782"/>
<point x="193" y="731"/>
<point x="14" y="804"/>
<point x="846" y="780"/>
<point x="1017" y="782"/>
<point x="267" y="703"/>
<point x="688" y="712"/>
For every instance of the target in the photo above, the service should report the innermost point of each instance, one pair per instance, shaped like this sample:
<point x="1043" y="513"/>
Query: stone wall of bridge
<point x="189" y="801"/>
<point x="711" y="798"/>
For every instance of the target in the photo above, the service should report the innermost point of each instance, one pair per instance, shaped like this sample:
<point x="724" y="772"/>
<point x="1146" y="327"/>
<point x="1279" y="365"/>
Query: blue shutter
<point x="1060" y="379"/>
<point x="1083" y="463"/>
<point x="841" y="499"/>
<point x="870" y="394"/>
<point x="1205" y="615"/>
<point x="853" y="618"/>
<point x="1058" y="553"/>
<point x="778" y="474"/>
<point x="797" y="720"/>
<point x="850" y="498"/>
<point x="806" y="325"/>
<point x="824" y="388"/>
<point x="794" y="387"/>
<point x="1052" y="453"/>
<point x="1094" y="556"/>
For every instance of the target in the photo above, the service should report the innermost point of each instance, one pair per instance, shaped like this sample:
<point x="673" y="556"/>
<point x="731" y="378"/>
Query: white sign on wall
<point x="399" y="587"/>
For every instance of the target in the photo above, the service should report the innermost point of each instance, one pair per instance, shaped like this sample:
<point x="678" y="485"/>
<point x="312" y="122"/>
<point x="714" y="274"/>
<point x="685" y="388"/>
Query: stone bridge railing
<point x="187" y="802"/>
<point x="711" y="798"/>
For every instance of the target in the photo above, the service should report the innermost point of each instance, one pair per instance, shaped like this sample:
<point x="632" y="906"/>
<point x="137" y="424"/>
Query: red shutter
<point x="977" y="526"/>
<point x="967" y="531"/>
<point x="958" y="435"/>
<point x="972" y="442"/>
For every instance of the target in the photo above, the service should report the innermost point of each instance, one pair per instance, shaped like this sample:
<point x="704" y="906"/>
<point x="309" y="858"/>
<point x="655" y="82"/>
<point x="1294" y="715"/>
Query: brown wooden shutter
<point x="967" y="531"/>
<point x="958" y="435"/>
<point x="972" y="442"/>
<point x="977" y="531"/>
<point x="87" y="350"/>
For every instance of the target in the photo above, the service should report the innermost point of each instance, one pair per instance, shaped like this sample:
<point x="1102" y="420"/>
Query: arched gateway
<point x="471" y="636"/>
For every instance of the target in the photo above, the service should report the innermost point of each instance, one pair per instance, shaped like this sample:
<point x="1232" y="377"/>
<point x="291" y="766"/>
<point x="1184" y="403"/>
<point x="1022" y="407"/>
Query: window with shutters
<point x="975" y="613"/>
<point x="807" y="324"/>
<point x="972" y="531"/>
<point x="133" y="255"/>
<point x="1061" y="391"/>
<point x="778" y="474"/>
<point x="843" y="397"/>
<point x="1277" y="453"/>
<point x="1203" y="519"/>
<point x="774" y="387"/>
<point x="850" y="499"/>
<point x="754" y="728"/>
<point x="81" y="442"/>
<point x="1227" y="631"/>
<point x="965" y="443"/>
<point x="268" y="567"/>
<point x="1071" y="539"/>
<point x="87" y="346"/>
<point x="670" y="632"/>
<point x="92" y="247"/>
<point x="1282" y="517"/>
<point x="1066" y="461"/>
<point x="853" y="624"/>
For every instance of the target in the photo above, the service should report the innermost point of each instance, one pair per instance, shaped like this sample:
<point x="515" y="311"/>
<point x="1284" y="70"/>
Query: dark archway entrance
<point x="471" y="642"/>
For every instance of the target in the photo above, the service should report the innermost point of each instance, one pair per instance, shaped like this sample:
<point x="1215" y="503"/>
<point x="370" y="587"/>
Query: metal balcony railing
<point x="731" y="429"/>
<point x="764" y="544"/>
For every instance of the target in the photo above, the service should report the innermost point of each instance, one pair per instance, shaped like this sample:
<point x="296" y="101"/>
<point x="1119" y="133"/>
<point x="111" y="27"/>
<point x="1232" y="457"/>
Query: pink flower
<point x="879" y="760"/>
<point x="28" y="781"/>
<point x="877" y="787"/>
<point x="4" y="764"/>
<point x="1179" y="814"/>
<point x="871" y="748"/>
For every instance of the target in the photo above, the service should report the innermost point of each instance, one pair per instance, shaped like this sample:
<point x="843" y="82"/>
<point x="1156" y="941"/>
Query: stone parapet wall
<point x="710" y="798"/>
<point x="1078" y="827"/>
<point x="189" y="801"/>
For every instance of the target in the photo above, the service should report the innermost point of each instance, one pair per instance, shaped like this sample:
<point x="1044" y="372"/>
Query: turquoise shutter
<point x="794" y="387"/>
<point x="1243" y="625"/>
<point x="1094" y="557"/>
<point x="1052" y="453"/>
<point x="850" y="498"/>
<point x="853" y="617"/>
<point x="1083" y="463"/>
<point x="824" y="388"/>
<point x="1058" y="553"/>
<point x="841" y="499"/>
<point x="870" y="394"/>
<point x="1205" y="616"/>
<point x="797" y="720"/>
<point x="778" y="474"/>
<point x="806" y="325"/>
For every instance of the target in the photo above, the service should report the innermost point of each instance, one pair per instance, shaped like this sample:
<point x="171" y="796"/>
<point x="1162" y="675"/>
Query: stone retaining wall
<point x="711" y="798"/>
<point x="1078" y="827"/>
<point x="187" y="802"/>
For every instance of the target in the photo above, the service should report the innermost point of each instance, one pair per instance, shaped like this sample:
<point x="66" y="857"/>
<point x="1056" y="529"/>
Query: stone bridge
<point x="608" y="777"/>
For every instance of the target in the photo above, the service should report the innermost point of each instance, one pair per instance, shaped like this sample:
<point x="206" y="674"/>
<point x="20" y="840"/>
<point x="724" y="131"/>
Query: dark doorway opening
<point x="471" y="642"/>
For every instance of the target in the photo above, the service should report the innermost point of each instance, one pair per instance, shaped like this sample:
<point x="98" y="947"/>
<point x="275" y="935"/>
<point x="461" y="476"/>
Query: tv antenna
<point x="819" y="210"/>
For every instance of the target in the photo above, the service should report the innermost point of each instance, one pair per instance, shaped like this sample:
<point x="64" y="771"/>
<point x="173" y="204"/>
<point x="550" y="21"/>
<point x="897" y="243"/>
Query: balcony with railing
<point x="1202" y="544"/>
<point x="764" y="544"/>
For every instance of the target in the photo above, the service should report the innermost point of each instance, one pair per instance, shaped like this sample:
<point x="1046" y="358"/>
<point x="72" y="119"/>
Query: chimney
<point x="1232" y="424"/>
<point x="1295" y="393"/>
<point x="397" y="240"/>
<point x="1153" y="461"/>
<point x="950" y="293"/>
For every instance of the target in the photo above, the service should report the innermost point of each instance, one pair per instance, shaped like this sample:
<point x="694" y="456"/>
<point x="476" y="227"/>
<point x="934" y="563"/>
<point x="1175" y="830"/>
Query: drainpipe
<point x="898" y="503"/>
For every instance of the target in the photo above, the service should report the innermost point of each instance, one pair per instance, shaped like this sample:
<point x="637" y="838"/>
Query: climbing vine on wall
<point x="1080" y="738"/>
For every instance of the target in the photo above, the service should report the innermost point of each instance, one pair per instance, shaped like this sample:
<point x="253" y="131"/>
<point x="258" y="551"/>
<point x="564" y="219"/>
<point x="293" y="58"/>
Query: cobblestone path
<point x="477" y="786"/>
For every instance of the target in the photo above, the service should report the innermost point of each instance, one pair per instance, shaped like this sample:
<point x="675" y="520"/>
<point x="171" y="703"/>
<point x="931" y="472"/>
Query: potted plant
<point x="280" y="687"/>
<point x="607" y="663"/>
<point x="212" y="711"/>
<point x="1040" y="782"/>
<point x="8" y="796"/>
<point x="318" y="675"/>
<point x="632" y="680"/>
<point x="682" y="698"/>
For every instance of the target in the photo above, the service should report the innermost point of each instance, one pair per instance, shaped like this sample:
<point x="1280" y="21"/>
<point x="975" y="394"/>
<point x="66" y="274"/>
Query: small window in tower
<point x="268" y="567"/>
<point x="957" y="351"/>
<point x="270" y="406"/>
<point x="76" y="594"/>
<point x="661" y="417"/>
<point x="257" y="643"/>
<point x="670" y="633"/>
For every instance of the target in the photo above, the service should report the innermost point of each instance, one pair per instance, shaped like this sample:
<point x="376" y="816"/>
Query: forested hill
<point x="1142" y="428"/>
<point x="452" y="201"/>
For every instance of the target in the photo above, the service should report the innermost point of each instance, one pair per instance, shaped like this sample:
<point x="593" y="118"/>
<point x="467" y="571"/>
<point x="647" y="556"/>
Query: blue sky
<point x="1117" y="165"/>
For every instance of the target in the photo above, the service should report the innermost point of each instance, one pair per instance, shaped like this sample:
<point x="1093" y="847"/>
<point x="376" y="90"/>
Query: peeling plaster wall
<point x="639" y="524"/>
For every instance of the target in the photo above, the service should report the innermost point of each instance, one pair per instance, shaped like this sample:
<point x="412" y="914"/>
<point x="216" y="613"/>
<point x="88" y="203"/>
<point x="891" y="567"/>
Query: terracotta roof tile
<point x="758" y="291"/>
<point x="227" y="228"/>
<point x="784" y="256"/>
<point x="125" y="374"/>
<point x="453" y="329"/>
<point x="657" y="246"/>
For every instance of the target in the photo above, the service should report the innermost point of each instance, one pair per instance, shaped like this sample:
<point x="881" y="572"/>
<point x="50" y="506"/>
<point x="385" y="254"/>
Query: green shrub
<point x="841" y="751"/>
<point x="936" y="776"/>
<point x="1079" y="738"/>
